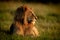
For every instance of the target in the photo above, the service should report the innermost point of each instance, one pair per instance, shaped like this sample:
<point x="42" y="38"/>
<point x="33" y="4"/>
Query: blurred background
<point x="48" y="22"/>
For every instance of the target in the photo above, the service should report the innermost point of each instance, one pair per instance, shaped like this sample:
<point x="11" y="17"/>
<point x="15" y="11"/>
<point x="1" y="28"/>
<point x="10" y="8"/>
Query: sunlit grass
<point x="48" y="22"/>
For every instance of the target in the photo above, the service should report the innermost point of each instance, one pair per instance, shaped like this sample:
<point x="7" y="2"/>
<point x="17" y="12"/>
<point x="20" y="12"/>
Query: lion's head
<point x="25" y="14"/>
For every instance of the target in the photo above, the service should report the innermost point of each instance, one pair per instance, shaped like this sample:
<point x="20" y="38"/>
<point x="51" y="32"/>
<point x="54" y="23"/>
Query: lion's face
<point x="31" y="17"/>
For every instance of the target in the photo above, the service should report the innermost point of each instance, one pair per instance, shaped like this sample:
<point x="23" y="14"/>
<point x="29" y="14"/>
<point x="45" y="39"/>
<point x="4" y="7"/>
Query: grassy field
<point x="48" y="22"/>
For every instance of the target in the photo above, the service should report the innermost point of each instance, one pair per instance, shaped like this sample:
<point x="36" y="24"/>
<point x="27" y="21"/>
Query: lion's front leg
<point x="35" y="31"/>
<point x="20" y="30"/>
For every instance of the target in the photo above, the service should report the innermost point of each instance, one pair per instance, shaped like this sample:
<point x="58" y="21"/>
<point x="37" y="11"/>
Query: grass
<point x="48" y="22"/>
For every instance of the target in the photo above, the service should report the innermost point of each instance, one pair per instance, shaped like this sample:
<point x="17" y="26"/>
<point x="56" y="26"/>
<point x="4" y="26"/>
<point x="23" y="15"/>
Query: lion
<point x="24" y="22"/>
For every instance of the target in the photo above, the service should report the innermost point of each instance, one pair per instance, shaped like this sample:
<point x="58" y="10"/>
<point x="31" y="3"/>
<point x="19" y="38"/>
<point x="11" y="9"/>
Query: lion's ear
<point x="25" y="7"/>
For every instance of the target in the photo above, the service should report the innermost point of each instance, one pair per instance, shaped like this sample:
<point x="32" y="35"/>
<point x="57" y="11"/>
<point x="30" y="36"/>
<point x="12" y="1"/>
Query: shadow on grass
<point x="5" y="31"/>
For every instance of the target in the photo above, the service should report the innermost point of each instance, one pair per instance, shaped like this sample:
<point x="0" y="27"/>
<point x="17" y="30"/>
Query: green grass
<point x="48" y="22"/>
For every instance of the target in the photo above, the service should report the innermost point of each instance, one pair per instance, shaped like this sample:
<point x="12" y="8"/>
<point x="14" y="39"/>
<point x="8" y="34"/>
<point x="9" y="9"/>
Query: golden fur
<point x="24" y="22"/>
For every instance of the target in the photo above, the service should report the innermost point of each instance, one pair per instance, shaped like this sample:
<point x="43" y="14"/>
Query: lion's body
<point x="24" y="22"/>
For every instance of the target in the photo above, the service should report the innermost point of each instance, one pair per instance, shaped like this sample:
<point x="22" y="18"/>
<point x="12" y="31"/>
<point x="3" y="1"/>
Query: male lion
<point x="24" y="22"/>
